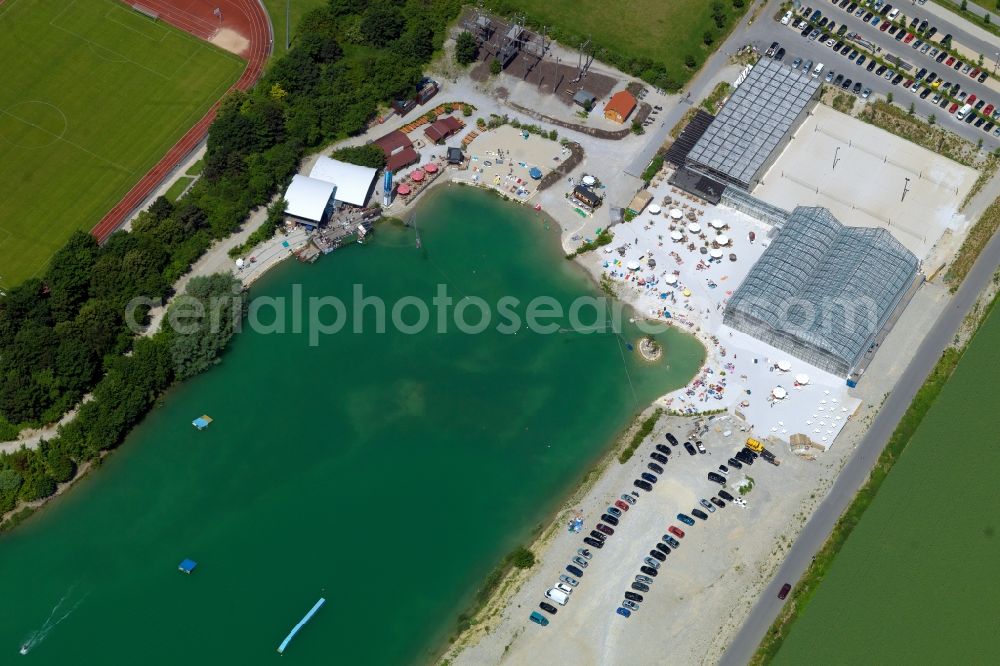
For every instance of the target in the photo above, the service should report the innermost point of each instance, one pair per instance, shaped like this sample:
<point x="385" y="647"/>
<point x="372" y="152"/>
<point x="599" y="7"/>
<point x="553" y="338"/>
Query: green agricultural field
<point x="661" y="31"/>
<point x="92" y="95"/>
<point x="915" y="583"/>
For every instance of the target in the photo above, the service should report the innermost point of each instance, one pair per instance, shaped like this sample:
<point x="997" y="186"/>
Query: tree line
<point x="64" y="334"/>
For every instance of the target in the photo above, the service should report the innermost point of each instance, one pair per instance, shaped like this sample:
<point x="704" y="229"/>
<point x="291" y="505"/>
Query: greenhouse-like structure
<point x="822" y="291"/>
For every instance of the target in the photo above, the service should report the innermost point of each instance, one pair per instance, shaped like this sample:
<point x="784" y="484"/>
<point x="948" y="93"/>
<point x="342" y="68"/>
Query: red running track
<point x="246" y="17"/>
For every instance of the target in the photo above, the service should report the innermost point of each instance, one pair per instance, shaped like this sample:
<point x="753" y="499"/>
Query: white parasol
<point x="784" y="366"/>
<point x="779" y="393"/>
<point x="676" y="213"/>
<point x="722" y="239"/>
<point x="717" y="224"/>
<point x="654" y="210"/>
<point x="632" y="265"/>
<point x="588" y="180"/>
<point x="694" y="228"/>
<point x="802" y="378"/>
<point x="670" y="278"/>
<point x="676" y="235"/>
<point x="716" y="253"/>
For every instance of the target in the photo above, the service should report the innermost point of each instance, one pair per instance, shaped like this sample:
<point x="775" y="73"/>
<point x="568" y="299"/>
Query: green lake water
<point x="388" y="473"/>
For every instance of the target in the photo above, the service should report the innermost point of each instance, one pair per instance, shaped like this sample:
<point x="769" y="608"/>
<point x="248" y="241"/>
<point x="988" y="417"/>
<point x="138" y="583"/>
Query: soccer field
<point x="92" y="95"/>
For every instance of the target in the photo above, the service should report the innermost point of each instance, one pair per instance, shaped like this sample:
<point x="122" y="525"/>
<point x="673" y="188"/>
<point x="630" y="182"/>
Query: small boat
<point x="24" y="649"/>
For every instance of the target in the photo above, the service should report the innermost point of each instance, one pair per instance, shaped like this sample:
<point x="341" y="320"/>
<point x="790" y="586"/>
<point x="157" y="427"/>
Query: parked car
<point x="689" y="448"/>
<point x="924" y="93"/>
<point x="598" y="536"/>
<point x="686" y="519"/>
<point x="646" y="476"/>
<point x="989" y="127"/>
<point x="650" y="562"/>
<point x="615" y="511"/>
<point x="829" y="76"/>
<point x="574" y="570"/>
<point x="584" y="553"/>
<point x="881" y="70"/>
<point x="676" y="531"/>
<point x="837" y="81"/>
<point x="698" y="513"/>
<point x="896" y="81"/>
<point x="982" y="77"/>
<point x="653" y="467"/>
<point x="663" y="548"/>
<point x="641" y="587"/>
<point x="623" y="506"/>
<point x="538" y="618"/>
<point x="624" y="612"/>
<point x="639" y="483"/>
<point x="701" y="447"/>
<point x="717" y="478"/>
<point x="601" y="527"/>
<point x="644" y="579"/>
<point x="663" y="449"/>
<point x="860" y="60"/>
<point x="726" y="496"/>
<point x="658" y="555"/>
<point x="609" y="519"/>
<point x="628" y="498"/>
<point x="796" y="63"/>
<point x="548" y="608"/>
<point x="670" y="438"/>
<point x="785" y="589"/>
<point x="708" y="505"/>
<point x="733" y="462"/>
<point x="974" y="73"/>
<point x="972" y="99"/>
<point x="908" y="38"/>
<point x="563" y="587"/>
<point x="649" y="571"/>
<point x="950" y="61"/>
<point x="988" y="110"/>
<point x="557" y="596"/>
<point x="590" y="541"/>
<point x="771" y="49"/>
<point x="717" y="502"/>
<point x="632" y="596"/>
<point x="953" y="108"/>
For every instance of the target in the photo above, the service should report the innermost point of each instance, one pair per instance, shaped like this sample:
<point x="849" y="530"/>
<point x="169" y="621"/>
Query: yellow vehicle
<point x="754" y="445"/>
<point x="936" y="84"/>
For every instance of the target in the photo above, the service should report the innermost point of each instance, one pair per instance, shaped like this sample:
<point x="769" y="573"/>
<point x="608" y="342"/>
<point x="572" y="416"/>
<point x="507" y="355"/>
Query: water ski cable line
<point x="302" y="623"/>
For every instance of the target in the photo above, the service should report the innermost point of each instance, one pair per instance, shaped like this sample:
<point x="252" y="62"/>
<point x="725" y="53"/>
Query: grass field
<point x="293" y="9"/>
<point x="914" y="582"/>
<point x="664" y="31"/>
<point x="92" y="95"/>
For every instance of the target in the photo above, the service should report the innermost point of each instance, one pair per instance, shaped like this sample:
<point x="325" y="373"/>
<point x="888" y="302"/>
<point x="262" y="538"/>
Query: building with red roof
<point x="620" y="106"/>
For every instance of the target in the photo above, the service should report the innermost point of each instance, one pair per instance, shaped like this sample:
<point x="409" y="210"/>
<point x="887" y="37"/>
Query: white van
<point x="557" y="596"/>
<point x="963" y="112"/>
<point x="817" y="70"/>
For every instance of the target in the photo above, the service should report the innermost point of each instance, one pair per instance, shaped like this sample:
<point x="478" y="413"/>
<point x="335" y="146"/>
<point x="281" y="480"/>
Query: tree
<point x="202" y="322"/>
<point x="913" y="109"/>
<point x="689" y="61"/>
<point x="522" y="558"/>
<point x="636" y="127"/>
<point x="369" y="155"/>
<point x="495" y="67"/>
<point x="888" y="97"/>
<point x="986" y="20"/>
<point x="466" y="48"/>
<point x="965" y="5"/>
<point x="708" y="38"/>
<point x="382" y="23"/>
<point x="68" y="276"/>
<point x="931" y="119"/>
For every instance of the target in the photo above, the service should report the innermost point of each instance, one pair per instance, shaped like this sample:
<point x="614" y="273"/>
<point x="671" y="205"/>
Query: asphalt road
<point x="860" y="464"/>
<point x="798" y="46"/>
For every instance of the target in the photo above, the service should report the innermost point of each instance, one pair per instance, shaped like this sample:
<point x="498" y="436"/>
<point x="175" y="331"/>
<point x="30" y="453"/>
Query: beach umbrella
<point x="654" y="210"/>
<point x="403" y="189"/>
<point x="670" y="278"/>
<point x="676" y="214"/>
<point x="784" y="365"/>
<point x="417" y="175"/>
<point x="779" y="393"/>
<point x="686" y="292"/>
<point x="239" y="263"/>
<point x="802" y="378"/>
<point x="716" y="254"/>
<point x="589" y="180"/>
<point x="676" y="236"/>
<point x="694" y="228"/>
<point x="717" y="224"/>
<point x="722" y="239"/>
<point x="632" y="265"/>
<point x="535" y="173"/>
<point x="431" y="168"/>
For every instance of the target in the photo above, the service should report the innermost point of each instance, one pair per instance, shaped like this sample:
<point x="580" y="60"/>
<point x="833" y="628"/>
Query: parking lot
<point x="702" y="588"/>
<point x="871" y="41"/>
<point x="859" y="172"/>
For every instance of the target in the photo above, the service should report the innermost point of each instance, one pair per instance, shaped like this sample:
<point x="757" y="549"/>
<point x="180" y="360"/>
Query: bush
<point x="466" y="48"/>
<point x="369" y="155"/>
<point x="522" y="558"/>
<point x="495" y="67"/>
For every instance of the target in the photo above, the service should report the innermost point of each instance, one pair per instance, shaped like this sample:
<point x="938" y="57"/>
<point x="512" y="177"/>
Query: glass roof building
<point x="822" y="291"/>
<point x="755" y="123"/>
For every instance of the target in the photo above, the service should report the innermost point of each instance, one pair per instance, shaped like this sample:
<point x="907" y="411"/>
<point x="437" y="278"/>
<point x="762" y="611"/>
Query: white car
<point x="563" y="587"/>
<point x="557" y="596"/>
<point x="701" y="449"/>
<point x="786" y="18"/>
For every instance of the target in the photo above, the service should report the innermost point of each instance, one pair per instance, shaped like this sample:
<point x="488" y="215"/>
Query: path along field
<point x="915" y="581"/>
<point x="92" y="95"/>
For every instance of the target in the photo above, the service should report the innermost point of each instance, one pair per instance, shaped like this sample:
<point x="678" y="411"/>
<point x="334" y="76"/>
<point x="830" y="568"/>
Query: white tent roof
<point x="353" y="182"/>
<point x="308" y="197"/>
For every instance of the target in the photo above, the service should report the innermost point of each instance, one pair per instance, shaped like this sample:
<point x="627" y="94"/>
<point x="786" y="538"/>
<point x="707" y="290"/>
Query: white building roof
<point x="353" y="182"/>
<point x="308" y="197"/>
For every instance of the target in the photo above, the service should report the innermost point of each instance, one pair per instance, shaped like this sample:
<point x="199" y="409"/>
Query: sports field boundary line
<point x="254" y="20"/>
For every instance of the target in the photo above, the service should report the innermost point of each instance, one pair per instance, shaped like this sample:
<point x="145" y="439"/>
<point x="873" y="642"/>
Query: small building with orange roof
<point x="620" y="106"/>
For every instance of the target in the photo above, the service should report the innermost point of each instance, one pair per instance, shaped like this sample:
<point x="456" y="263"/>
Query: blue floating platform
<point x="187" y="566"/>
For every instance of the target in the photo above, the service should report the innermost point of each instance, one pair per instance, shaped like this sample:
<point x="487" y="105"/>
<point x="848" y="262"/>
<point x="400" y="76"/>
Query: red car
<point x="908" y="38"/>
<point x="621" y="505"/>
<point x="972" y="99"/>
<point x="988" y="110"/>
<point x="885" y="25"/>
<point x="950" y="61"/>
<point x="953" y="108"/>
<point x="676" y="531"/>
<point x="974" y="73"/>
<point x="601" y="527"/>
<point x="785" y="589"/>
<point x="908" y="83"/>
